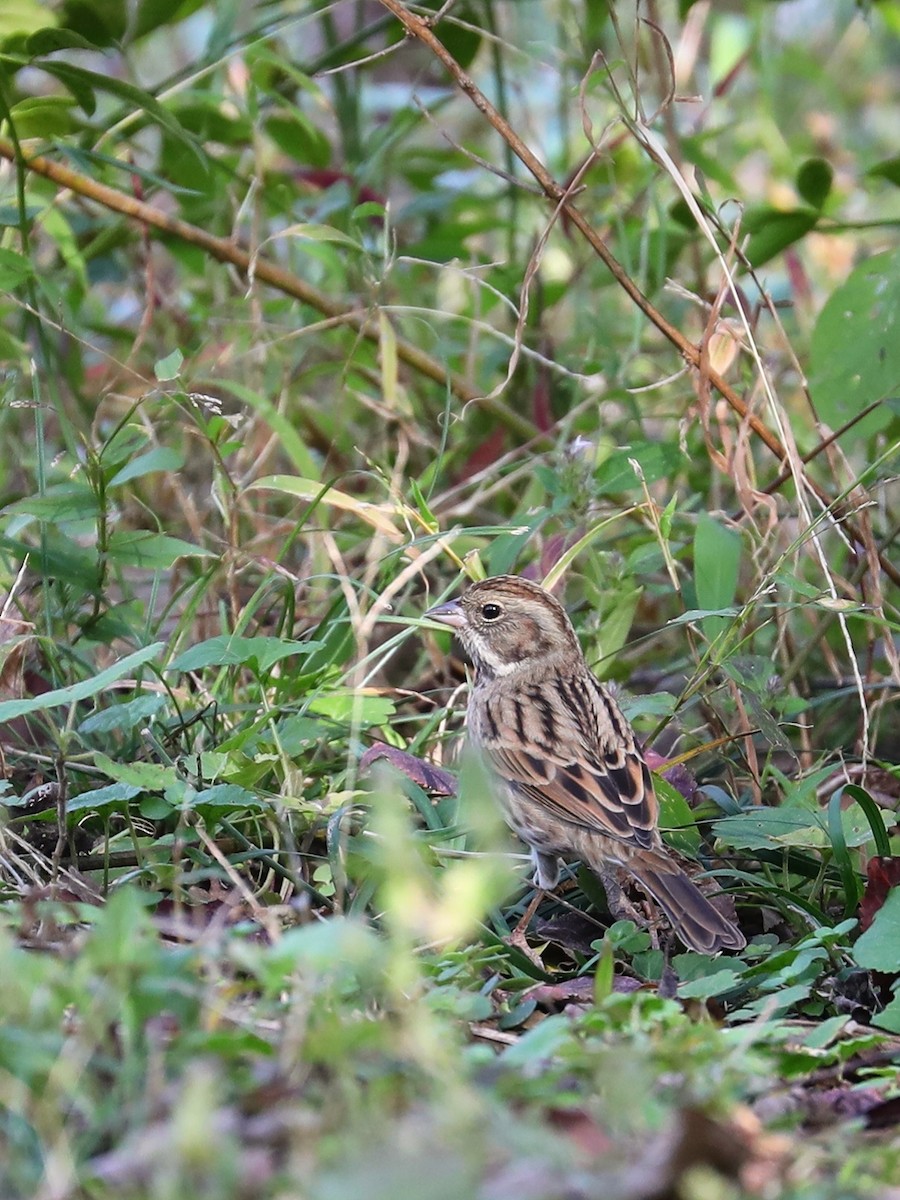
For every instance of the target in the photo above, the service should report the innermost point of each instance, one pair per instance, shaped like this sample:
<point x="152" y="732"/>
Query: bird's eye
<point x="491" y="612"/>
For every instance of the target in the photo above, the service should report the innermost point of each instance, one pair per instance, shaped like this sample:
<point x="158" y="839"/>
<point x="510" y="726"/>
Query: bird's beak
<point x="449" y="613"/>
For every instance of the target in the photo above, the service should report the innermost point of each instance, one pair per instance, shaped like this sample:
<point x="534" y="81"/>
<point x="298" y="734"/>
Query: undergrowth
<point x="294" y="340"/>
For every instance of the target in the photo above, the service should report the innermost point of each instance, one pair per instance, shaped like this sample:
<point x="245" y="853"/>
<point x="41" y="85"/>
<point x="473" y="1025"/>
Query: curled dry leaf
<point x="432" y="778"/>
<point x="882" y="874"/>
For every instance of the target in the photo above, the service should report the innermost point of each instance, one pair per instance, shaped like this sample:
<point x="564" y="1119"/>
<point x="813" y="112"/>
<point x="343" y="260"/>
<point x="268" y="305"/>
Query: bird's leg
<point x="517" y="937"/>
<point x="546" y="877"/>
<point x="546" y="870"/>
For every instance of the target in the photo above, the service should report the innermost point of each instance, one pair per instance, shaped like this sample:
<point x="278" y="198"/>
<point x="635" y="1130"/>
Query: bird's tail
<point x="695" y="920"/>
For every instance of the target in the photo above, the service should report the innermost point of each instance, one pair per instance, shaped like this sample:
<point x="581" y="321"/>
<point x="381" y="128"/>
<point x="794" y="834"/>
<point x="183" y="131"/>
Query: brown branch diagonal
<point x="557" y="193"/>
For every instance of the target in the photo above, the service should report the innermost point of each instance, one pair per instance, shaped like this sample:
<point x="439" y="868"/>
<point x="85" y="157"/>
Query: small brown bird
<point x="572" y="778"/>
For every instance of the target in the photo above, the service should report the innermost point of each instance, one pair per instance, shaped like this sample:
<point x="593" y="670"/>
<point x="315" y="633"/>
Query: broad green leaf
<point x="855" y="348"/>
<point x="540" y="1043"/>
<point x="66" y="560"/>
<point x="162" y="458"/>
<point x="340" y="950"/>
<point x="233" y="651"/>
<point x="814" y="179"/>
<point x="707" y="986"/>
<point x="765" y="828"/>
<point x="9" y="709"/>
<point x="773" y="231"/>
<point x="657" y="460"/>
<point x="717" y="561"/>
<point x="123" y="717"/>
<point x="889" y="1018"/>
<point x="151" y="14"/>
<point x="226" y="795"/>
<point x="51" y="41"/>
<point x="364" y="707"/>
<point x="889" y="169"/>
<point x="169" y="367"/>
<point x="150" y="777"/>
<point x="791" y="825"/>
<point x="878" y="949"/>
<point x="114" y="795"/>
<point x="676" y="818"/>
<point x="73" y="501"/>
<point x="152" y="551"/>
<point x="45" y="117"/>
<point x="297" y="136"/>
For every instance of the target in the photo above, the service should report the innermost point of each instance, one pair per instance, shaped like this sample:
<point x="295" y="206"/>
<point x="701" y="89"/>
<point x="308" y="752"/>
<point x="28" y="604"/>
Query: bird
<point x="568" y="770"/>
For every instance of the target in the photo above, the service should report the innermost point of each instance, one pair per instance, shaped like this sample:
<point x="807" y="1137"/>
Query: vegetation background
<point x="308" y="311"/>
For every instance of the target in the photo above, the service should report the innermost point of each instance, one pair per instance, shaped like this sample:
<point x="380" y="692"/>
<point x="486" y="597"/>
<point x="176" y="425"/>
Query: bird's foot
<point x="517" y="936"/>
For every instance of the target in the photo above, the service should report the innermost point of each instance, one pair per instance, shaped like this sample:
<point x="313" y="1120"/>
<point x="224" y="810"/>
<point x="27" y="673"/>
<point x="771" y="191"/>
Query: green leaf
<point x="604" y="972"/>
<point x="676" y="818"/>
<point x="875" y="816"/>
<point x="226" y="795"/>
<point x="14" y="269"/>
<point x="115" y="795"/>
<point x="45" y="117"/>
<point x="9" y="709"/>
<point x="657" y="460"/>
<point x="888" y="169"/>
<point x="773" y="231"/>
<point x="122" y="718"/>
<point x="82" y="84"/>
<point x="152" y="14"/>
<point x="169" y="367"/>
<point x="717" y="561"/>
<point x="159" y="459"/>
<point x="699" y="614"/>
<point x="889" y="1018"/>
<point x="152" y="551"/>
<point x="855" y="348"/>
<point x="849" y="878"/>
<point x="147" y="777"/>
<point x="540" y="1043"/>
<point x="814" y="180"/>
<point x="51" y="41"/>
<point x="234" y="651"/>
<point x="341" y="950"/>
<point x="878" y="949"/>
<point x="11" y="349"/>
<point x="707" y="986"/>
<point x="60" y="502"/>
<point x="462" y="36"/>
<point x="351" y="706"/>
<point x="791" y="825"/>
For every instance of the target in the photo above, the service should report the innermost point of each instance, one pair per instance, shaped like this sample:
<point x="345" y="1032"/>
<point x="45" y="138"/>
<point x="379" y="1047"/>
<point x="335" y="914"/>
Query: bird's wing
<point x="565" y="745"/>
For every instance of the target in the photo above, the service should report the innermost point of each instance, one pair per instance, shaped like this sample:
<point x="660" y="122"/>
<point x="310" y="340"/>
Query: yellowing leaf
<point x="308" y="489"/>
